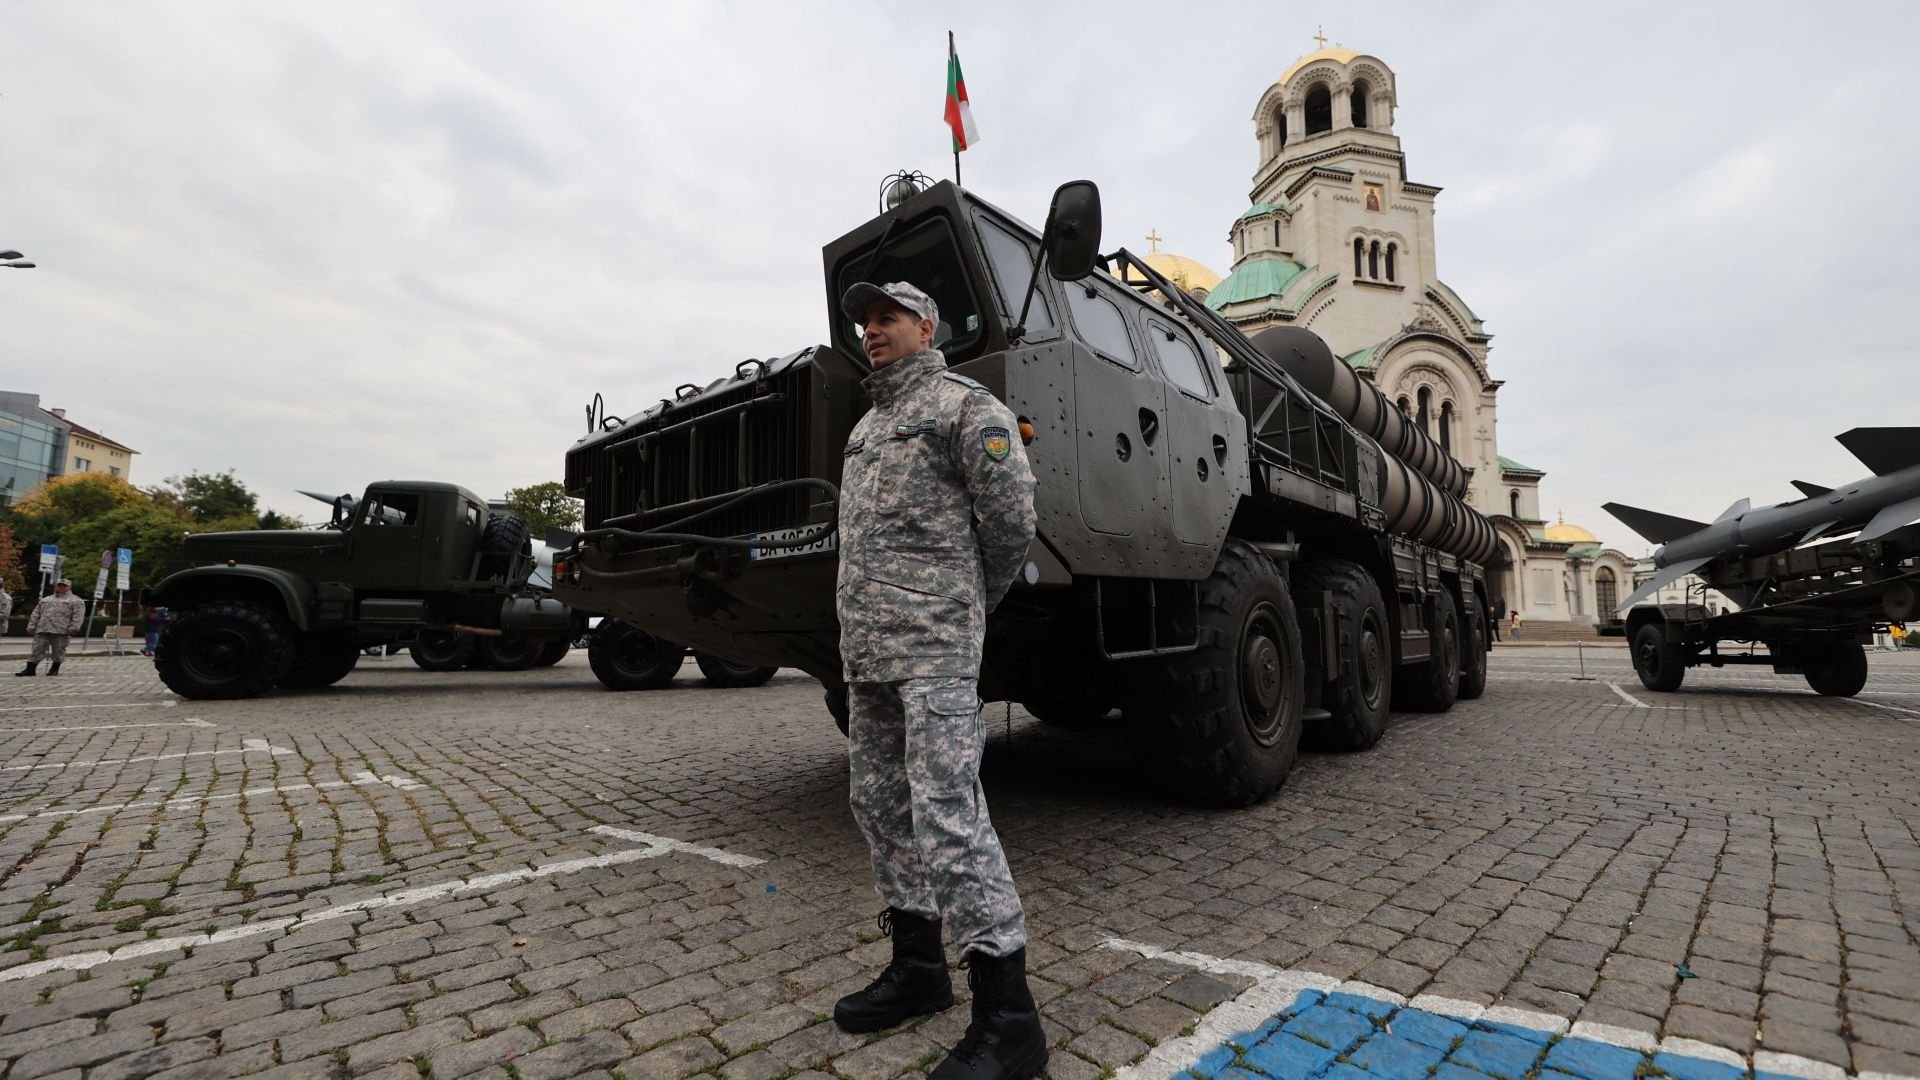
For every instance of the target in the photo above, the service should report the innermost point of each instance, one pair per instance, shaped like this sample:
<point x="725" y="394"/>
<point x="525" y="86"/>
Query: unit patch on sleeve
<point x="997" y="441"/>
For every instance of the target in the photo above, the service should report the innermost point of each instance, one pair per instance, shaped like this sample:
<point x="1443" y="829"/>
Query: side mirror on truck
<point x="1069" y="243"/>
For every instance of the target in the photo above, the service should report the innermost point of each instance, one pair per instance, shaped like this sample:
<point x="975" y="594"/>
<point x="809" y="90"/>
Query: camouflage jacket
<point x="56" y="614"/>
<point x="936" y="512"/>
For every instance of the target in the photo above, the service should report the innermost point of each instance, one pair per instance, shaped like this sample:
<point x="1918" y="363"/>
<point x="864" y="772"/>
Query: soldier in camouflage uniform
<point x="936" y="515"/>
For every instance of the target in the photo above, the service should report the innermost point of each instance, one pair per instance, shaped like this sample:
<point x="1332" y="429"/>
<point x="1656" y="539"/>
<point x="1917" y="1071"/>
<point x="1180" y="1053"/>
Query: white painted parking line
<point x="1613" y="706"/>
<point x="247" y="746"/>
<point x="1630" y="699"/>
<point x="656" y="846"/>
<point x="1888" y="708"/>
<point x="1275" y="989"/>
<point x="193" y="722"/>
<point x="360" y="779"/>
<point x="102" y="705"/>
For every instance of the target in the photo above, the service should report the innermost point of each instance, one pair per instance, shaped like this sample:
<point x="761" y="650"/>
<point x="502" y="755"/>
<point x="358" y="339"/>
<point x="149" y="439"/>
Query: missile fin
<point x="1656" y="527"/>
<point x="1661" y="580"/>
<point x="1735" y="510"/>
<point x="1815" y="533"/>
<point x="1897" y="516"/>
<point x="1811" y="491"/>
<point x="1883" y="449"/>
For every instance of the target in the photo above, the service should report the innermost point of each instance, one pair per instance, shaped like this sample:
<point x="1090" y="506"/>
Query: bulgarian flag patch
<point x="959" y="112"/>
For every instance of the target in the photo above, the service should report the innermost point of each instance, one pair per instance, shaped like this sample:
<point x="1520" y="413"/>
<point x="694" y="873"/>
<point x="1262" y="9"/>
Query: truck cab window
<point x="926" y="256"/>
<point x="1097" y="319"/>
<point x="1179" y="358"/>
<point x="392" y="509"/>
<point x="1012" y="262"/>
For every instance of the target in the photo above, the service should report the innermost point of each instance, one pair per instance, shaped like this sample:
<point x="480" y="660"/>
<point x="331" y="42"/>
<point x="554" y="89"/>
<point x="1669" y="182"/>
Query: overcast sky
<point x="323" y="244"/>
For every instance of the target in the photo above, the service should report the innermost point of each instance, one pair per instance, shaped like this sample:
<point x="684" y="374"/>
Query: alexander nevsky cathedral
<point x="1339" y="240"/>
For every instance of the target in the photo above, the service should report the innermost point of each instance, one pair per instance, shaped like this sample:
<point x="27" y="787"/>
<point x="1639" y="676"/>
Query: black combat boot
<point x="1005" y="1040"/>
<point x="914" y="984"/>
<point x="53" y="668"/>
<point x="26" y="671"/>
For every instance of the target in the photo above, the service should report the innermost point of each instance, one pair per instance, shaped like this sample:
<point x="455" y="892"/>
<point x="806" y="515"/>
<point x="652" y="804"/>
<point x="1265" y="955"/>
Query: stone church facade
<point x="1338" y="239"/>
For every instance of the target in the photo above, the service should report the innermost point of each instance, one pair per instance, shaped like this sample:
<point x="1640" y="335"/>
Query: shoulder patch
<point x="996" y="441"/>
<point x="962" y="380"/>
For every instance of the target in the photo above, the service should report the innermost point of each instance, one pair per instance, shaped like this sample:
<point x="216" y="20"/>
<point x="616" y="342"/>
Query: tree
<point x="273" y="519"/>
<point x="153" y="530"/>
<point x="208" y="496"/>
<point x="74" y="497"/>
<point x="545" y="506"/>
<point x="13" y="564"/>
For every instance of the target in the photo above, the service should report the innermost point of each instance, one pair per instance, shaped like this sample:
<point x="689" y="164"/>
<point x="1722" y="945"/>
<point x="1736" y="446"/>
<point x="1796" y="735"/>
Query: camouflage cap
<point x="862" y="295"/>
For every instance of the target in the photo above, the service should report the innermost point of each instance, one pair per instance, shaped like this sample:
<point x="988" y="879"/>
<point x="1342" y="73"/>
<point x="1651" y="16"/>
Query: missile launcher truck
<point x="414" y="563"/>
<point x="1224" y="556"/>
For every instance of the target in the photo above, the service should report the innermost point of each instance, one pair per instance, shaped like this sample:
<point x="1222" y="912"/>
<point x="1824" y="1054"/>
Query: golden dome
<point x="1563" y="533"/>
<point x="1336" y="54"/>
<point x="1182" y="271"/>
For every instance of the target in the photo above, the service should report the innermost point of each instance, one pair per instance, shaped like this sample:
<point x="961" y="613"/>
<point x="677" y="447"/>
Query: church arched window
<point x="1373" y="261"/>
<point x="1513" y="504"/>
<point x="1361" y="92"/>
<point x="1280" y="122"/>
<point x="1392" y="250"/>
<point x="1446" y="426"/>
<point x="1319" y="109"/>
<point x="1276" y="232"/>
<point x="1359" y="254"/>
<point x="1426" y="410"/>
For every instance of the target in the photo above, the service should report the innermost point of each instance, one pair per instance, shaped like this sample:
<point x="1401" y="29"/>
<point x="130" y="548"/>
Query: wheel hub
<point x="1263" y="676"/>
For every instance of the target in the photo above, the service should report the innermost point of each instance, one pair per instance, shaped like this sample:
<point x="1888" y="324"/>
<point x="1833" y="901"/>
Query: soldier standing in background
<point x="55" y="619"/>
<point x="6" y="608"/>
<point x="936" y="514"/>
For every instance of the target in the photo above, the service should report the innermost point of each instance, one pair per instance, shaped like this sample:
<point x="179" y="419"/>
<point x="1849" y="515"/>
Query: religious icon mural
<point x="1376" y="198"/>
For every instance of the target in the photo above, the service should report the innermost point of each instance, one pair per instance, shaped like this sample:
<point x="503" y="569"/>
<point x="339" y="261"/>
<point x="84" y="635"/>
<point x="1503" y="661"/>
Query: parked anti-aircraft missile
<point x="1877" y="505"/>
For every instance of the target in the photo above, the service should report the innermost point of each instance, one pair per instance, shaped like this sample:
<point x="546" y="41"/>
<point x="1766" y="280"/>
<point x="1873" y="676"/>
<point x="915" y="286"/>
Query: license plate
<point x="827" y="541"/>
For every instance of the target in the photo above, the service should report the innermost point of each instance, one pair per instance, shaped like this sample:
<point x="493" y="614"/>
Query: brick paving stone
<point x="601" y="1015"/>
<point x="145" y="1063"/>
<point x="421" y="1041"/>
<point x="322" y="1038"/>
<point x="675" y="1059"/>
<point x="453" y="1062"/>
<point x="227" y="1063"/>
<point x="887" y="1057"/>
<point x="573" y="1056"/>
<point x="79" y="1053"/>
<point x="650" y="1031"/>
<point x="758" y="1029"/>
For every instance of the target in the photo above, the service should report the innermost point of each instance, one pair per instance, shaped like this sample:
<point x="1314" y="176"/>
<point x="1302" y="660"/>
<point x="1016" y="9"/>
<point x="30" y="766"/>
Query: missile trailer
<point x="414" y="563"/>
<point x="1221" y="555"/>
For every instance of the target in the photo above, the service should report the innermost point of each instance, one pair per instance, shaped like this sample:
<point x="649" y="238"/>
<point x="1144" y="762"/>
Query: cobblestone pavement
<point x="523" y="875"/>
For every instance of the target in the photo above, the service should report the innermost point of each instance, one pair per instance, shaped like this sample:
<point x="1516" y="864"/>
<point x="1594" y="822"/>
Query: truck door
<point x="1120" y="412"/>
<point x="1201" y="495"/>
<point x="387" y="541"/>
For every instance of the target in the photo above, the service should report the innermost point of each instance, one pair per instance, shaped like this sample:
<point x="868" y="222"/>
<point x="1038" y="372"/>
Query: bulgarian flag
<point x="959" y="112"/>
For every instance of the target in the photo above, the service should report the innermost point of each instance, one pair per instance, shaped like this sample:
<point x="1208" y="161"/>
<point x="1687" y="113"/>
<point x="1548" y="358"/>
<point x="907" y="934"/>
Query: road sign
<point x="106" y="559"/>
<point x="126" y="556"/>
<point x="100" y="584"/>
<point x="122" y="581"/>
<point x="49" y="558"/>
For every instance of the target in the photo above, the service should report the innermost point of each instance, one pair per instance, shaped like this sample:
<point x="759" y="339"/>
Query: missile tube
<point x="1308" y="359"/>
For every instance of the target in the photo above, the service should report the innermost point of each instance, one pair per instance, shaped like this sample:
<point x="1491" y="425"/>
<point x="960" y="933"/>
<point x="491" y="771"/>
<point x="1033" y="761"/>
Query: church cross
<point x="1153" y="241"/>
<point x="1320" y="35"/>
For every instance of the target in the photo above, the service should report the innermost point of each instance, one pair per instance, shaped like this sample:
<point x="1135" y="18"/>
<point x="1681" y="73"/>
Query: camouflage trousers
<point x="914" y="753"/>
<point x="48" y="643"/>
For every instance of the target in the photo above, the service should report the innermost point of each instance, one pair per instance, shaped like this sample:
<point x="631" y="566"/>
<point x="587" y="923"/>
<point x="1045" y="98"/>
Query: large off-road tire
<point x="1433" y="685"/>
<point x="439" y="650"/>
<point x="507" y="653"/>
<point x="625" y="657"/>
<point x="1661" y="666"/>
<point x="1359" y="692"/>
<point x="552" y="652"/>
<point x="1473" y="655"/>
<point x="1839" y="670"/>
<point x="838" y="707"/>
<point x="321" y="659"/>
<point x="504" y="537"/>
<point x="1221" y="724"/>
<point x="724" y="674"/>
<point x="224" y="649"/>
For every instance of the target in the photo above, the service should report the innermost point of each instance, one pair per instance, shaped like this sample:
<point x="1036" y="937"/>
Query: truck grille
<point x="661" y="469"/>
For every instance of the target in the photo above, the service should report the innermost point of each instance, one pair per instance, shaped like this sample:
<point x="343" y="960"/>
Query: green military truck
<point x="1239" y="542"/>
<point x="410" y="563"/>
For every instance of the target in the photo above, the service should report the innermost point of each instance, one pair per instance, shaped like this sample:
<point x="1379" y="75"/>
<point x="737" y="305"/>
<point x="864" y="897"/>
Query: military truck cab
<point x="1213" y="558"/>
<point x="409" y="562"/>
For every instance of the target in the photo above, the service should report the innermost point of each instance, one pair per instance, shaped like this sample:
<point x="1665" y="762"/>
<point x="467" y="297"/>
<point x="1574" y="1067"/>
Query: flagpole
<point x="952" y="53"/>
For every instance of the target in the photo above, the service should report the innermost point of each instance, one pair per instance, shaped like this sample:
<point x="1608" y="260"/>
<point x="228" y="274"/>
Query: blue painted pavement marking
<point x="1301" y="1025"/>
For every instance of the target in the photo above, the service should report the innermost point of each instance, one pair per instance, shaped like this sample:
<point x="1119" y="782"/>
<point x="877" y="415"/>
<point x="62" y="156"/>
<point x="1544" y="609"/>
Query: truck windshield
<point x="927" y="257"/>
